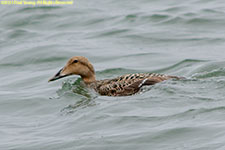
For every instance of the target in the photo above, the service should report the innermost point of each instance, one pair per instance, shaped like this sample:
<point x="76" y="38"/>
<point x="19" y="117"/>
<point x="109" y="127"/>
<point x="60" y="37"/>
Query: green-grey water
<point x="183" y="38"/>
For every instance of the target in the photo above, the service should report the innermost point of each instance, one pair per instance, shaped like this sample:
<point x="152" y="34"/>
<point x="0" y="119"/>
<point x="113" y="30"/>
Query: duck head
<point x="77" y="65"/>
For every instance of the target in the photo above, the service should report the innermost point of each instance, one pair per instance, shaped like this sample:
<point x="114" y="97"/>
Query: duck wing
<point x="129" y="84"/>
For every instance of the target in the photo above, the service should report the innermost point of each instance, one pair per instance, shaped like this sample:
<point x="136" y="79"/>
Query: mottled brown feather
<point x="127" y="84"/>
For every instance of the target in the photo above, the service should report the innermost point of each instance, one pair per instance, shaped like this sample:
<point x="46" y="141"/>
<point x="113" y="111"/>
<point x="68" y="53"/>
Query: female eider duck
<point x="125" y="85"/>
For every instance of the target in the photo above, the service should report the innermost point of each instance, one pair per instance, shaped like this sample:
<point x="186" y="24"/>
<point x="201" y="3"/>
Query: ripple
<point x="38" y="8"/>
<point x="141" y="18"/>
<point x="110" y="32"/>
<point x="80" y="104"/>
<point x="212" y="11"/>
<point x="21" y="33"/>
<point x="175" y="9"/>
<point x="220" y="72"/>
<point x="209" y="70"/>
<point x="174" y="20"/>
<point x="182" y="64"/>
<point x="200" y="21"/>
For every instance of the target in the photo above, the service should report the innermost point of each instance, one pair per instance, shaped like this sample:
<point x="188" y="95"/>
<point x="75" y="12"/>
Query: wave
<point x="209" y="70"/>
<point x="180" y="66"/>
<point x="219" y="72"/>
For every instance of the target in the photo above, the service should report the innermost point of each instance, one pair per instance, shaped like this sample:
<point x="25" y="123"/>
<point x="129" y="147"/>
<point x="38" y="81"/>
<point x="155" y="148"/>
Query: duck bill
<point x="57" y="76"/>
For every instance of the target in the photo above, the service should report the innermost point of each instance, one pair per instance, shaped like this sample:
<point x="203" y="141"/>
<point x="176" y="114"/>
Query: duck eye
<point x="75" y="61"/>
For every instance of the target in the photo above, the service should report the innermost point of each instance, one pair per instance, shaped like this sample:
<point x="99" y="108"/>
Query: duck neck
<point x="88" y="79"/>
